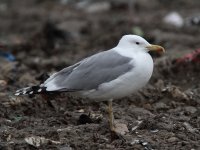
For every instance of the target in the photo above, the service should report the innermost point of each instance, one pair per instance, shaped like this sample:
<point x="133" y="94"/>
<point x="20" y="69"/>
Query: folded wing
<point x="90" y="73"/>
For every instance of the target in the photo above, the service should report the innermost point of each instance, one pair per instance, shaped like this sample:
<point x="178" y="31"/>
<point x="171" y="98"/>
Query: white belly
<point x="127" y="83"/>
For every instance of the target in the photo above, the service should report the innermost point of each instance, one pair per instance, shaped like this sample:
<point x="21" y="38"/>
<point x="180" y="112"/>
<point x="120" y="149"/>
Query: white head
<point x="138" y="44"/>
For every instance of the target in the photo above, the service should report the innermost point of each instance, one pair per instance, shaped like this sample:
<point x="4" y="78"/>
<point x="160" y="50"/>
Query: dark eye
<point x="137" y="43"/>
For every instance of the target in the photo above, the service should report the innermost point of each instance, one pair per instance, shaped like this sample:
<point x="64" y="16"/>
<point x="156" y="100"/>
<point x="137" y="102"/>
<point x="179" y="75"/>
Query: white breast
<point x="127" y="83"/>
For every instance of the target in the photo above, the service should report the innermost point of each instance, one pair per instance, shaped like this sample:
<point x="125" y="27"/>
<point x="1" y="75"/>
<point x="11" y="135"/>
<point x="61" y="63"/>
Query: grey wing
<point x="90" y="72"/>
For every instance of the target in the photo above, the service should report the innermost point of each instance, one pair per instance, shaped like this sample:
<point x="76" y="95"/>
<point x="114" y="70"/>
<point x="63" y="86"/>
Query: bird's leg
<point x="111" y="116"/>
<point x="113" y="129"/>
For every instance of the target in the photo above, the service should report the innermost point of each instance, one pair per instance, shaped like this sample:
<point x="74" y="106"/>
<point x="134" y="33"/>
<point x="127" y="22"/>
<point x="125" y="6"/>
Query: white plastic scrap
<point x="37" y="141"/>
<point x="138" y="124"/>
<point x="174" y="19"/>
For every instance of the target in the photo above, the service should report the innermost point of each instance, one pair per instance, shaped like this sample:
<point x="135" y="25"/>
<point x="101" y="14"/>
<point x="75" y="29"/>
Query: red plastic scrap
<point x="191" y="57"/>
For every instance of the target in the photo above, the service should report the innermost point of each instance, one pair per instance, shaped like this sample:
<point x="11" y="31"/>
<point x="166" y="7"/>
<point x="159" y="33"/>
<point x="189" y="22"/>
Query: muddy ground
<point x="46" y="36"/>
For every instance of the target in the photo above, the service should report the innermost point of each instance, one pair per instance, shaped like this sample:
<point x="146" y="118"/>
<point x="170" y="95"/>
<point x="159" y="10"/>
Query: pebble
<point x="154" y="131"/>
<point x="172" y="139"/>
<point x="161" y="105"/>
<point x="189" y="127"/>
<point x="121" y="128"/>
<point x="3" y="83"/>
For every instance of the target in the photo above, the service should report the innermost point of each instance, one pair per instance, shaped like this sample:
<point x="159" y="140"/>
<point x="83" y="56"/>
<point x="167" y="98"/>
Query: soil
<point x="46" y="36"/>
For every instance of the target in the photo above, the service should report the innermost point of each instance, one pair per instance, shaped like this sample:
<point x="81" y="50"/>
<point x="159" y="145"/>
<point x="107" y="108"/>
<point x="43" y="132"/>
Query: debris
<point x="9" y="137"/>
<point x="138" y="124"/>
<point x="81" y="111"/>
<point x="154" y="131"/>
<point x="174" y="19"/>
<point x="64" y="129"/>
<point x="191" y="57"/>
<point x="3" y="83"/>
<point x="135" y="142"/>
<point x="17" y="118"/>
<point x="96" y="117"/>
<point x="189" y="127"/>
<point x="175" y="92"/>
<point x="145" y="144"/>
<point x="7" y="55"/>
<point x="37" y="141"/>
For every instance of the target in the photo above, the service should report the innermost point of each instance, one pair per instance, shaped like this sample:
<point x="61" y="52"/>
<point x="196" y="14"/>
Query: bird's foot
<point x="118" y="131"/>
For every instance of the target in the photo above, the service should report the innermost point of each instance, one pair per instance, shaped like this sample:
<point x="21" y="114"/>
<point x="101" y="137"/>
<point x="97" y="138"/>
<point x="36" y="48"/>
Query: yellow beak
<point x="156" y="48"/>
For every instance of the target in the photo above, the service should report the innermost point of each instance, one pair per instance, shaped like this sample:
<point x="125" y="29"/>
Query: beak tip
<point x="156" y="48"/>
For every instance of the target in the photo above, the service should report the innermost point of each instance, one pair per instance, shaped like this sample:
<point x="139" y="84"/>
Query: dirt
<point x="46" y="36"/>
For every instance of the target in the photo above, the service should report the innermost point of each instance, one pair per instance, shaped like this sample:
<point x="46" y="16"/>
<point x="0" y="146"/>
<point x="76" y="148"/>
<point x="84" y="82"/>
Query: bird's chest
<point x="139" y="75"/>
<point x="132" y="81"/>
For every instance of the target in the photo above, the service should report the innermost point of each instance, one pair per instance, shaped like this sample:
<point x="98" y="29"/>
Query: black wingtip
<point x="30" y="90"/>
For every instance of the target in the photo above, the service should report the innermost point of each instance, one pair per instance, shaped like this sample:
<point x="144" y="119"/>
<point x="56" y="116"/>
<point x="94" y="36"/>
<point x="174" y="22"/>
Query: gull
<point x="104" y="76"/>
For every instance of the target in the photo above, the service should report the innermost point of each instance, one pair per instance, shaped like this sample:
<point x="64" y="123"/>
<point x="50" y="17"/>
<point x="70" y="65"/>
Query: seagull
<point x="104" y="76"/>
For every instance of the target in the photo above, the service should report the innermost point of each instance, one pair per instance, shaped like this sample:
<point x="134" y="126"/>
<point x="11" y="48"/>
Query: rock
<point x="121" y="128"/>
<point x="175" y="92"/>
<point x="161" y="105"/>
<point x="172" y="139"/>
<point x="189" y="127"/>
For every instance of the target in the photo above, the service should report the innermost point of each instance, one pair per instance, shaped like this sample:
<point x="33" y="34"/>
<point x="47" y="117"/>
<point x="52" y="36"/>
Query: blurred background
<point x="41" y="37"/>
